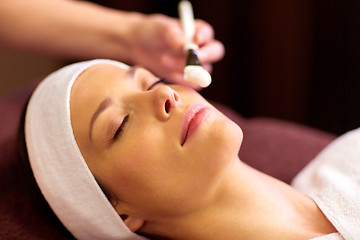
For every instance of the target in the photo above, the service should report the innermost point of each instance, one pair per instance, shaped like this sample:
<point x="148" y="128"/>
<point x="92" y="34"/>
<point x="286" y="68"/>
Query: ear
<point x="133" y="223"/>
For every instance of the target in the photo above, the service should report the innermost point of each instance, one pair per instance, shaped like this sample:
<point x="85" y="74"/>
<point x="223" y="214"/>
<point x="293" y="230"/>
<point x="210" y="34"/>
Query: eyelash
<point x="126" y="119"/>
<point x="121" y="128"/>
<point x="163" y="80"/>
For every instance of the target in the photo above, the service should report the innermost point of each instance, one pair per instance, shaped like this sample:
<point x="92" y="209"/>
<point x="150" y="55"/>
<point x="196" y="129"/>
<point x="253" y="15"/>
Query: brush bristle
<point x="198" y="75"/>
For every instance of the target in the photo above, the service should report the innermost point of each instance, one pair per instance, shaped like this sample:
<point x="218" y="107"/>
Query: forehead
<point x="96" y="81"/>
<point x="90" y="89"/>
<point x="100" y="74"/>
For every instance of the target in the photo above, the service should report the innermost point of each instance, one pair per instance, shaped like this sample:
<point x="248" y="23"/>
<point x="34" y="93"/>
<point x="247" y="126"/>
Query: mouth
<point x="193" y="118"/>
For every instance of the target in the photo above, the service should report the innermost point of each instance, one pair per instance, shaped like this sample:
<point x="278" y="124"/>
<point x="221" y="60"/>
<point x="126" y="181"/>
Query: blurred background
<point x="297" y="60"/>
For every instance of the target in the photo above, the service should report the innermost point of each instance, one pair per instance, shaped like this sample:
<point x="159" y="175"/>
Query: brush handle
<point x="187" y="21"/>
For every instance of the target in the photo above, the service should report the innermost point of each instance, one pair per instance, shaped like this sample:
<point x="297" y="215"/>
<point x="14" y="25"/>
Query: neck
<point x="251" y="205"/>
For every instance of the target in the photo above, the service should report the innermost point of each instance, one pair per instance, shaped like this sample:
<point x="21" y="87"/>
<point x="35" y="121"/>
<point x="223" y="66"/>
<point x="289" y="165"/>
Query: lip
<point x="193" y="118"/>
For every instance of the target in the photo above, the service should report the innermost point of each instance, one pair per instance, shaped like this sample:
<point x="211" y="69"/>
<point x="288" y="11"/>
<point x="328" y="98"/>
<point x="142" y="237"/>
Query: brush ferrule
<point x="192" y="58"/>
<point x="190" y="46"/>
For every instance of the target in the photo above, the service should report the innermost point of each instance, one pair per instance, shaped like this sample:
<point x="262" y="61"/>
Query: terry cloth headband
<point x="58" y="166"/>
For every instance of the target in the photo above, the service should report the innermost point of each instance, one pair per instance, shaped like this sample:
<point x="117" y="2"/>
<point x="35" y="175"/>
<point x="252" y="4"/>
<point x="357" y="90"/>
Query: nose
<point x="165" y="99"/>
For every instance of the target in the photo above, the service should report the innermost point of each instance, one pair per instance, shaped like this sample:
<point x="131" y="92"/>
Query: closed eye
<point x="155" y="84"/>
<point x="121" y="128"/>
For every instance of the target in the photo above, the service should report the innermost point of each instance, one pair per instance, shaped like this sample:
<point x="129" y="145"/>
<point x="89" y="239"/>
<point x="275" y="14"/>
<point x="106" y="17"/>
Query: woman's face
<point x="156" y="149"/>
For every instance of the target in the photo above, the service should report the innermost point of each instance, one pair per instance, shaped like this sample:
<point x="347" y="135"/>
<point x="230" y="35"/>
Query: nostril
<point x="167" y="106"/>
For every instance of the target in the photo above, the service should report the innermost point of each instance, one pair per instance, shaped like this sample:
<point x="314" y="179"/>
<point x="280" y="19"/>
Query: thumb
<point x="174" y="36"/>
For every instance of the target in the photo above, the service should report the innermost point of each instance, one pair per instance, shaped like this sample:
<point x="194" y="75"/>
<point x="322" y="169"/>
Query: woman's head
<point x="139" y="138"/>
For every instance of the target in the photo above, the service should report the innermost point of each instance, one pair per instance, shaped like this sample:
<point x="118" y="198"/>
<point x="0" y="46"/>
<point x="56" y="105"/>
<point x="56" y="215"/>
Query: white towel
<point x="58" y="166"/>
<point x="332" y="179"/>
<point x="332" y="236"/>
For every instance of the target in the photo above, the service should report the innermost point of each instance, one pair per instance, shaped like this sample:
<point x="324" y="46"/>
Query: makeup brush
<point x="193" y="72"/>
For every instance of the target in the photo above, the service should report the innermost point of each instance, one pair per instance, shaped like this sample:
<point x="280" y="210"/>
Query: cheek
<point x="136" y="169"/>
<point x="220" y="139"/>
<point x="211" y="154"/>
<point x="151" y="172"/>
<point x="149" y="168"/>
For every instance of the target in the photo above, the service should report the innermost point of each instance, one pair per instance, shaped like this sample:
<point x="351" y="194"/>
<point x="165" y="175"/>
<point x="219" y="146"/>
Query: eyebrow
<point x="130" y="74"/>
<point x="102" y="107"/>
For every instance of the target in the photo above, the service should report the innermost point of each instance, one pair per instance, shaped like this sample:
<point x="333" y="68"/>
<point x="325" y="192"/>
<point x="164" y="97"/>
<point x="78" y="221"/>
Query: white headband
<point x="58" y="166"/>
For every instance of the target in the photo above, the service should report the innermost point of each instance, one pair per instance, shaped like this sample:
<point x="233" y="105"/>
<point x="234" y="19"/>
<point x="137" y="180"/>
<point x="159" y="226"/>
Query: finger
<point x="211" y="52"/>
<point x="208" y="67"/>
<point x="174" y="35"/>
<point x="174" y="38"/>
<point x="204" y="32"/>
<point x="178" y="78"/>
<point x="173" y="62"/>
<point x="167" y="31"/>
<point x="175" y="77"/>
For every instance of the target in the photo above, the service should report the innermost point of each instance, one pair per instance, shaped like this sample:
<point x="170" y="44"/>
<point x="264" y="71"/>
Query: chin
<point x="221" y="141"/>
<point x="220" y="153"/>
<point x="228" y="136"/>
<point x="227" y="130"/>
<point x="212" y="154"/>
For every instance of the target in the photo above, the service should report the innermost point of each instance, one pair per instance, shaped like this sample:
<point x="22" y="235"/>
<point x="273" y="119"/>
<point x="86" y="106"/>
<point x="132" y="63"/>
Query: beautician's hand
<point x="93" y="31"/>
<point x="158" y="45"/>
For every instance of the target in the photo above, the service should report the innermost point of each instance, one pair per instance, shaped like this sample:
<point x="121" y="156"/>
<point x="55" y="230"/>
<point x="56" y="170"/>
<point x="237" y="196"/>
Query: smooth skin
<point x="166" y="190"/>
